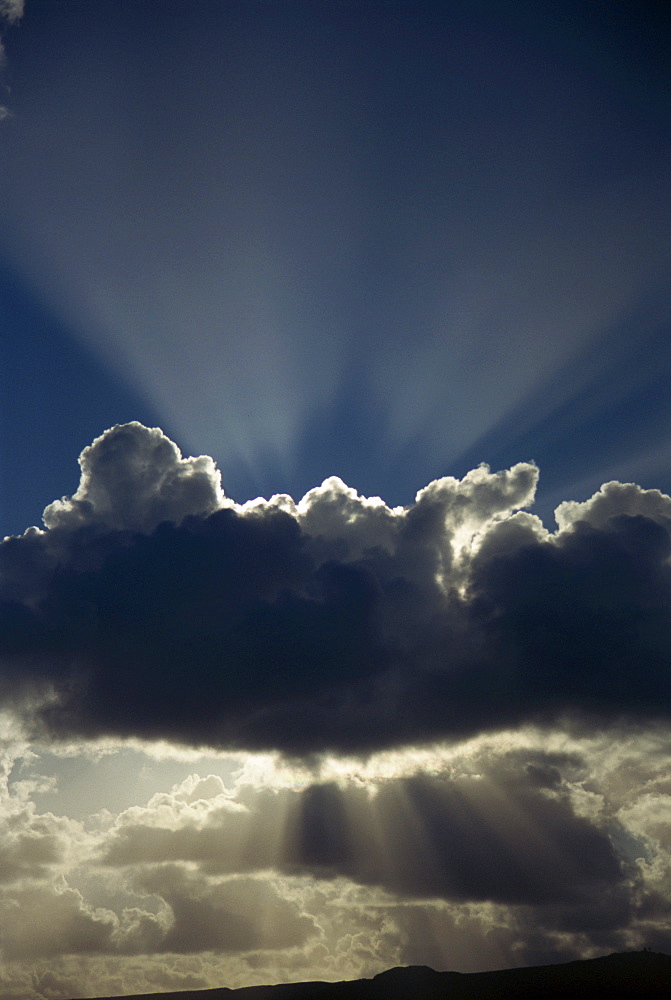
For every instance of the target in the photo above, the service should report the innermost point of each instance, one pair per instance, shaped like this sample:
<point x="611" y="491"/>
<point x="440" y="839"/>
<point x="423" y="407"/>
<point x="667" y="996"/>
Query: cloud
<point x="475" y="839"/>
<point x="196" y="914"/>
<point x="581" y="621"/>
<point x="34" y="846"/>
<point x="133" y="478"/>
<point x="613" y="500"/>
<point x="153" y="607"/>
<point x="11" y="11"/>
<point x="518" y="848"/>
<point x="507" y="832"/>
<point x="530" y="853"/>
<point x="31" y="846"/>
<point x="52" y="920"/>
<point x="242" y="914"/>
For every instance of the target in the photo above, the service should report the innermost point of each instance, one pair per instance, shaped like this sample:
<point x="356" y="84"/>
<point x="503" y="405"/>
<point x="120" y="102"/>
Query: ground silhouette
<point x="645" y="975"/>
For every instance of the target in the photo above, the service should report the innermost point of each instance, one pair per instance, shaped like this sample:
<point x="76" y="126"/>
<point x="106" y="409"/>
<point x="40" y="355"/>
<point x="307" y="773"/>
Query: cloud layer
<point x="518" y="848"/>
<point x="508" y="834"/>
<point x="151" y="606"/>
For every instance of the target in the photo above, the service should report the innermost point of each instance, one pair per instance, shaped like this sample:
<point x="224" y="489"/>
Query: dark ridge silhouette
<point x="645" y="975"/>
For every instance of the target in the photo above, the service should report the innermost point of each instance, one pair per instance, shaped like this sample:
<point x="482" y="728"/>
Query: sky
<point x="347" y="643"/>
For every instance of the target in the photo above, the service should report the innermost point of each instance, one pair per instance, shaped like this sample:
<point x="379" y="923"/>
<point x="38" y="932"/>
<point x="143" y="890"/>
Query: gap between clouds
<point x="152" y="606"/>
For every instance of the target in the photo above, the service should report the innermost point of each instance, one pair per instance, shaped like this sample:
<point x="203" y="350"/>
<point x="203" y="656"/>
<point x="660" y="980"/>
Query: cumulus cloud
<point x="507" y="832"/>
<point x="232" y="915"/>
<point x="508" y="852"/>
<point x="52" y="920"/>
<point x="196" y="914"/>
<point x="151" y="606"/>
<point x="518" y="848"/>
<point x="469" y="839"/>
<point x="133" y="478"/>
<point x="614" y="500"/>
<point x="34" y="846"/>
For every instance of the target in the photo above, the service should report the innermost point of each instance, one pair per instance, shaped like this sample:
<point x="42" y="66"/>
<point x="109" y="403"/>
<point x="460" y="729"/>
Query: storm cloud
<point x="152" y="606"/>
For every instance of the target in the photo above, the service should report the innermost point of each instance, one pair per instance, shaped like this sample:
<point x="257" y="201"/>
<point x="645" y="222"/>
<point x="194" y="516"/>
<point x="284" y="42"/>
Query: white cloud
<point x="613" y="500"/>
<point x="134" y="477"/>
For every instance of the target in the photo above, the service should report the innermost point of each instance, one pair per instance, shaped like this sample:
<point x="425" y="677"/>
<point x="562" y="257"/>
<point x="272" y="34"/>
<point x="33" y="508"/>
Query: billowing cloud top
<point x="134" y="478"/>
<point x="152" y="606"/>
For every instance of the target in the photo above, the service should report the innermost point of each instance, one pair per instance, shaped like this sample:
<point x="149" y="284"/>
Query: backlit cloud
<point x="507" y="832"/>
<point x="402" y="271"/>
<point x="435" y="687"/>
<point x="153" y="607"/>
<point x="519" y="848"/>
<point x="133" y="478"/>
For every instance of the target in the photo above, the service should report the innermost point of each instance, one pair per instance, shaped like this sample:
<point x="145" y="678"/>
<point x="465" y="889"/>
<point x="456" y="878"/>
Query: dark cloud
<point x="152" y="606"/>
<point x="581" y="624"/>
<point x="476" y="839"/>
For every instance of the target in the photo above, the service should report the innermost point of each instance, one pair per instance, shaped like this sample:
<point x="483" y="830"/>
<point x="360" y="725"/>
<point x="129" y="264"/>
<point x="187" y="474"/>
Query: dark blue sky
<point x="386" y="241"/>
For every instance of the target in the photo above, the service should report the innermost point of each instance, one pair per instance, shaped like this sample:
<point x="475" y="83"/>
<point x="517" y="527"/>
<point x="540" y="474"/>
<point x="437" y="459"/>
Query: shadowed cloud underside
<point x="152" y="606"/>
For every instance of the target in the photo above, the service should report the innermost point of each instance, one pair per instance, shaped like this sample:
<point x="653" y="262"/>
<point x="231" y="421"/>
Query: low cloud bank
<point x="152" y="606"/>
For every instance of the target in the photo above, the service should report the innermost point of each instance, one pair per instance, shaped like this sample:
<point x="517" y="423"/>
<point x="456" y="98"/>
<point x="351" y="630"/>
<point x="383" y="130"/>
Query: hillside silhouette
<point x="642" y="974"/>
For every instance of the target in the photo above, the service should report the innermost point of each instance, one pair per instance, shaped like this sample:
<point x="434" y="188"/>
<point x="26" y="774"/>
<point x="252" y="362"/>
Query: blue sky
<point x="324" y="253"/>
<point x="383" y="241"/>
